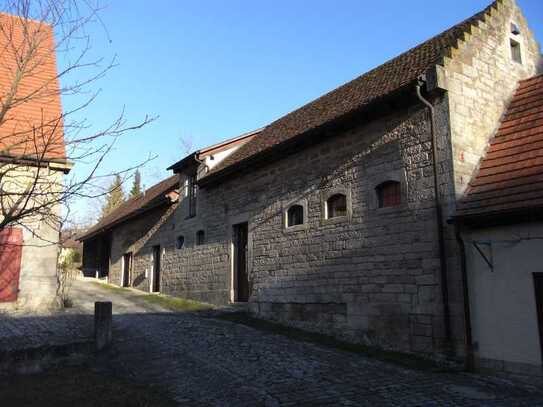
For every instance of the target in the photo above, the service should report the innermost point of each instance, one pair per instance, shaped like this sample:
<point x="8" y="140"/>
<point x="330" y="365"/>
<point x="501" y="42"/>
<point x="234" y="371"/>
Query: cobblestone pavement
<point x="208" y="362"/>
<point x="203" y="361"/>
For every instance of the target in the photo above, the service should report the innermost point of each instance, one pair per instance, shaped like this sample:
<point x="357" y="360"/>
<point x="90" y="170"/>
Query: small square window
<point x="336" y="206"/>
<point x="516" y="52"/>
<point x="514" y="29"/>
<point x="389" y="194"/>
<point x="295" y="215"/>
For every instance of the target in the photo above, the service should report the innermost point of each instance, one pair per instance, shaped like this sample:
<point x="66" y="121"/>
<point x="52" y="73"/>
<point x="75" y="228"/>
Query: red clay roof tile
<point x="510" y="176"/>
<point x="39" y="106"/>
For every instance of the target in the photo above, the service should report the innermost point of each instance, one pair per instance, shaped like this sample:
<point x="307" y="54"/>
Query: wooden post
<point x="102" y="324"/>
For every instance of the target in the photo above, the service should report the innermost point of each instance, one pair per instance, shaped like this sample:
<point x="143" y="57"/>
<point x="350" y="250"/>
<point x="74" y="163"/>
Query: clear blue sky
<point x="214" y="69"/>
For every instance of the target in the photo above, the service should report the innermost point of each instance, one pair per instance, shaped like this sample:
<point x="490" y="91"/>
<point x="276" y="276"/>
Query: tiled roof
<point x="354" y="96"/>
<point x="41" y="109"/>
<point x="153" y="197"/>
<point x="510" y="176"/>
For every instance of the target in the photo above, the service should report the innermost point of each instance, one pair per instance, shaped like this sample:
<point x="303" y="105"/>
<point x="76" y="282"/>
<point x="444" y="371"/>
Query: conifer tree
<point x="115" y="196"/>
<point x="136" y="186"/>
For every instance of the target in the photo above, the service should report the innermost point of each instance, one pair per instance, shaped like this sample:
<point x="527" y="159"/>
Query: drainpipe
<point x="469" y="363"/>
<point x="439" y="218"/>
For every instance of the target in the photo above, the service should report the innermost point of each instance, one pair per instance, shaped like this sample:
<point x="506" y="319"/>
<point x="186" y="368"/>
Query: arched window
<point x="295" y="215"/>
<point x="336" y="206"/>
<point x="200" y="237"/>
<point x="389" y="194"/>
<point x="180" y="242"/>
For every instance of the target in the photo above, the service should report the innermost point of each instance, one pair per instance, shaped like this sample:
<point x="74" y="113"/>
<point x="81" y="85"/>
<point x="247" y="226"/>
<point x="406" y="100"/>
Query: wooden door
<point x="538" y="285"/>
<point x="11" y="240"/>
<point x="156" y="269"/>
<point x="240" y="262"/>
<point x="127" y="267"/>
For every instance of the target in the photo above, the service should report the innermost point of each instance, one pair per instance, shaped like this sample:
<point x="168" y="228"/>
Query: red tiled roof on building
<point x="352" y="97"/>
<point x="33" y="127"/>
<point x="510" y="177"/>
<point x="158" y="194"/>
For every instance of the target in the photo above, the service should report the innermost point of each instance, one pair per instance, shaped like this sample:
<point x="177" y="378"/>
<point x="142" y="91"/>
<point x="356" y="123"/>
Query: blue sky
<point x="214" y="69"/>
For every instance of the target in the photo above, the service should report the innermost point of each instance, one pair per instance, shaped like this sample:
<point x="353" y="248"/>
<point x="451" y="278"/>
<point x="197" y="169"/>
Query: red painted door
<point x="11" y="241"/>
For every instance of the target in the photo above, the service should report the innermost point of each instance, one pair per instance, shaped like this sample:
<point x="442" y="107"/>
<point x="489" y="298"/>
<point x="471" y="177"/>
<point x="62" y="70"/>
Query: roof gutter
<point x="439" y="217"/>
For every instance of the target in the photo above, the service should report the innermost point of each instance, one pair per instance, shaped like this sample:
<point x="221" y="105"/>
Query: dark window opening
<point x="180" y="242"/>
<point x="295" y="215"/>
<point x="515" y="52"/>
<point x="389" y="194"/>
<point x="514" y="29"/>
<point x="200" y="237"/>
<point x="336" y="206"/>
<point x="193" y="190"/>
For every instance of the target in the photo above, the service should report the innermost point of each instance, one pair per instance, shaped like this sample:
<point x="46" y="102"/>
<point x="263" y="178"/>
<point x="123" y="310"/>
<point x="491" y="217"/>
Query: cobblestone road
<point x="210" y="362"/>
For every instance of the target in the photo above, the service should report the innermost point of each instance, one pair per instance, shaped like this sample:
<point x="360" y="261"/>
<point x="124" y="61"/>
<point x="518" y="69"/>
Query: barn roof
<point x="354" y="96"/>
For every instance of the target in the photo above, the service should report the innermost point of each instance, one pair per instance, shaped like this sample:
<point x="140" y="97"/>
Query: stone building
<point x="118" y="246"/>
<point x="337" y="217"/>
<point x="32" y="153"/>
<point x="127" y="247"/>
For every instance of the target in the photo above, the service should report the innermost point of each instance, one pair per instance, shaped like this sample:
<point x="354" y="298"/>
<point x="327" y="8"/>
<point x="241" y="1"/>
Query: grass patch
<point x="80" y="387"/>
<point x="111" y="288"/>
<point x="165" y="301"/>
<point x="175" y="304"/>
<point x="398" y="358"/>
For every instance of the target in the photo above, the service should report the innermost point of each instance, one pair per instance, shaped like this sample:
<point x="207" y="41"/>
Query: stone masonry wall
<point x="138" y="236"/>
<point x="480" y="78"/>
<point x="372" y="277"/>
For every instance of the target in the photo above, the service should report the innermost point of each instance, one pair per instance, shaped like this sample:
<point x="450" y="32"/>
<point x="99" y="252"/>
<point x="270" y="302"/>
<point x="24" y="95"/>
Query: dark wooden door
<point x="156" y="269"/>
<point x="127" y="266"/>
<point x="538" y="285"/>
<point x="11" y="240"/>
<point x="240" y="262"/>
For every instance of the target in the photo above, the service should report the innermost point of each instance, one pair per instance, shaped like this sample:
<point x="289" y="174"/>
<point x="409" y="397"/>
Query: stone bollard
<point x="102" y="324"/>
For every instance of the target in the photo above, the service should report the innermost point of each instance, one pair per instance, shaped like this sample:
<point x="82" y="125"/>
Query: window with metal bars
<point x="389" y="194"/>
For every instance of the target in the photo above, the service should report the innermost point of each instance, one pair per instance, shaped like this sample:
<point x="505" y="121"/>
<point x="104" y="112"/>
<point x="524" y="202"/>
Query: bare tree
<point x="38" y="141"/>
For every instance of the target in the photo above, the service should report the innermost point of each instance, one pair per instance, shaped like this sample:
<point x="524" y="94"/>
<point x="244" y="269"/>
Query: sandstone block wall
<point x="371" y="277"/>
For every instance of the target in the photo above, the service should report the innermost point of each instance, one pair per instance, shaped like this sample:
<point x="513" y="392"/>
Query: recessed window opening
<point x="193" y="191"/>
<point x="389" y="194"/>
<point x="200" y="237"/>
<point x="514" y="29"/>
<point x="295" y="215"/>
<point x="180" y="242"/>
<point x="336" y="206"/>
<point x="515" y="51"/>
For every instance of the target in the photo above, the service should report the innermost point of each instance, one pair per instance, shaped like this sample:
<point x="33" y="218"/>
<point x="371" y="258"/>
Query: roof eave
<point x="499" y="217"/>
